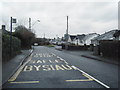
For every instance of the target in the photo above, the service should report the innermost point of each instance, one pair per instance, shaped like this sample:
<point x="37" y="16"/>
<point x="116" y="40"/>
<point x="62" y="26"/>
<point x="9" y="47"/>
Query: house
<point x="71" y="39"/>
<point x="79" y="39"/>
<point x="53" y="41"/>
<point x="4" y="31"/>
<point x="117" y="35"/>
<point x="88" y="37"/>
<point x="106" y="36"/>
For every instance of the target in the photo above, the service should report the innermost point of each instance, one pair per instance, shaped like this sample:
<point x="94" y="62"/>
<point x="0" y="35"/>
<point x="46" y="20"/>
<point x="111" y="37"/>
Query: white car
<point x="35" y="44"/>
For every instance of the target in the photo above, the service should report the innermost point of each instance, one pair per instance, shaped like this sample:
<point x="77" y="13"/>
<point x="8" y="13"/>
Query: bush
<point x="25" y="35"/>
<point x="15" y="48"/>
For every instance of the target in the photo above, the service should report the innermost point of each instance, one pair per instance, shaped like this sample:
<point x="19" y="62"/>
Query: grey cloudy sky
<point x="84" y="17"/>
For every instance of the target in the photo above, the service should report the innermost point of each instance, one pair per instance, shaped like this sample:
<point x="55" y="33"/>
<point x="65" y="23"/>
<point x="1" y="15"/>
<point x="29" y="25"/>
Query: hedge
<point x="110" y="48"/>
<point x="75" y="47"/>
<point x="15" y="49"/>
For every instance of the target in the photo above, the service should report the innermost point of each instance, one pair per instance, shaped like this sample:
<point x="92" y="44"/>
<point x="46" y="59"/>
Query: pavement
<point x="0" y="57"/>
<point x="11" y="66"/>
<point x="90" y="55"/>
<point x="100" y="58"/>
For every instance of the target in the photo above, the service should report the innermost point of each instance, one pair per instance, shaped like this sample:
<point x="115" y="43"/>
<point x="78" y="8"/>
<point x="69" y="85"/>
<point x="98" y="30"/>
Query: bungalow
<point x="87" y="39"/>
<point x="106" y="36"/>
<point x="71" y="38"/>
<point x="117" y="35"/>
<point x="79" y="39"/>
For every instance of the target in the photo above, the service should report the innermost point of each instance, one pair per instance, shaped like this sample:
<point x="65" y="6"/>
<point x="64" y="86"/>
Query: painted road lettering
<point x="52" y="67"/>
<point x="47" y="67"/>
<point x="37" y="67"/>
<point x="58" y="67"/>
<point x="42" y="55"/>
<point x="67" y="67"/>
<point x="39" y="61"/>
<point x="44" y="61"/>
<point x="28" y="68"/>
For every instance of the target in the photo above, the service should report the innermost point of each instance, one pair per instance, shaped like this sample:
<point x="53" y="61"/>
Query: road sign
<point x="13" y="20"/>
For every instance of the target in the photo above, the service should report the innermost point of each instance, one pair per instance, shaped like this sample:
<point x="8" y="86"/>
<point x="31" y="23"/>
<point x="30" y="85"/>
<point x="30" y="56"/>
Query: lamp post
<point x="35" y="22"/>
<point x="31" y="25"/>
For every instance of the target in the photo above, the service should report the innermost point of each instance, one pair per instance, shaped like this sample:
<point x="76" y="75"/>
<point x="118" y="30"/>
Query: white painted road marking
<point x="62" y="59"/>
<point x="91" y="77"/>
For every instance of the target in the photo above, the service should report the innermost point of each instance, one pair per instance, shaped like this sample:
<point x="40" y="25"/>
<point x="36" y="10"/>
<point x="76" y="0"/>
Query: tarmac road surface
<point x="50" y="68"/>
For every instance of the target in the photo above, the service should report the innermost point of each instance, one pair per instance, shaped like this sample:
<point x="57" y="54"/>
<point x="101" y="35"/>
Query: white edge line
<point x="91" y="77"/>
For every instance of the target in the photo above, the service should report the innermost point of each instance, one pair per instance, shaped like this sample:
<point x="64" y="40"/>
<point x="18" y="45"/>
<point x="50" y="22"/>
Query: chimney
<point x="3" y="27"/>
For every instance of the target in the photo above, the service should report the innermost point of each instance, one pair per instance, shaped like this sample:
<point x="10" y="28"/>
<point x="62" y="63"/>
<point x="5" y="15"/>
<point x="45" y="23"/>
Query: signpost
<point x="12" y="20"/>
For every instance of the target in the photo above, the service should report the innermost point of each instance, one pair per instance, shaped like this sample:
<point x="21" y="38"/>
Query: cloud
<point x="84" y="17"/>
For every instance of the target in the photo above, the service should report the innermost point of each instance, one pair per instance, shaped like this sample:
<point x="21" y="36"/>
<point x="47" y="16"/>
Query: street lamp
<point x="35" y="22"/>
<point x="30" y="26"/>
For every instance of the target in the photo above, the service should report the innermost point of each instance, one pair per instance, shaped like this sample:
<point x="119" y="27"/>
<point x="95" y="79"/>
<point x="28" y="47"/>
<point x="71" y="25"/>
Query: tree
<point x="25" y="35"/>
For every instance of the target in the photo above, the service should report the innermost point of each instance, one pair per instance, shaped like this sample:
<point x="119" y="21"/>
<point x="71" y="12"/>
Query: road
<point x="50" y="68"/>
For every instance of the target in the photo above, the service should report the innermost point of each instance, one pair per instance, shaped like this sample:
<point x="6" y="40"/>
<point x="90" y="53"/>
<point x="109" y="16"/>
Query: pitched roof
<point x="116" y="34"/>
<point x="80" y="37"/>
<point x="90" y="35"/>
<point x="106" y="36"/>
<point x="5" y="31"/>
<point x="72" y="37"/>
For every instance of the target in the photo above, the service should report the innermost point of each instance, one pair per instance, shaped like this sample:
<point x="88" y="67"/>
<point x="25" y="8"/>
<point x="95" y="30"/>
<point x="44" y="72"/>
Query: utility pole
<point x="44" y="35"/>
<point x="30" y="24"/>
<point x="10" y="36"/>
<point x="44" y="39"/>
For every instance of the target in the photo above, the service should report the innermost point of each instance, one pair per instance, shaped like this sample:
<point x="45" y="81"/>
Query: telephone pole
<point x="30" y="24"/>
<point x="10" y="36"/>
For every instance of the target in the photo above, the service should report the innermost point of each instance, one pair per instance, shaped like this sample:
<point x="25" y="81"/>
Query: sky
<point x="84" y="16"/>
